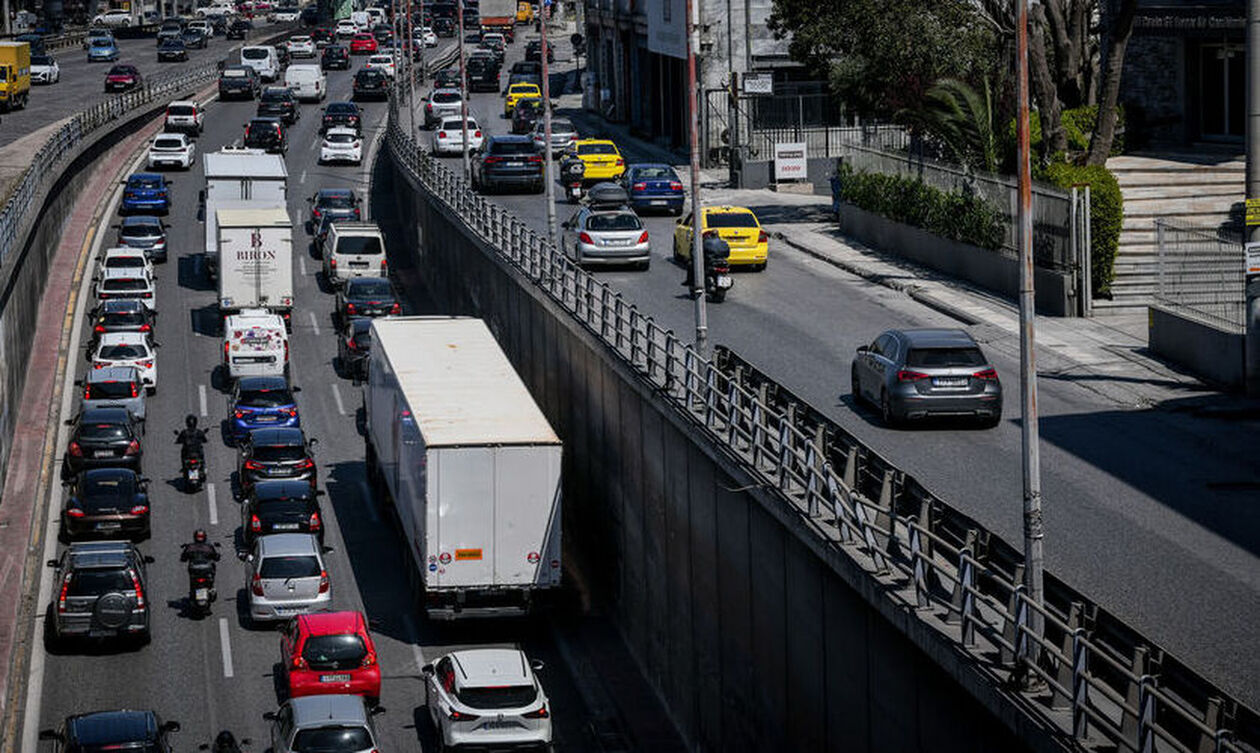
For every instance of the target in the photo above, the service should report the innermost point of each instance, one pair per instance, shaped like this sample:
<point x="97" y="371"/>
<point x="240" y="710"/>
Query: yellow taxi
<point x="600" y="158"/>
<point x="524" y="13"/>
<point x="738" y="226"/>
<point x="518" y="92"/>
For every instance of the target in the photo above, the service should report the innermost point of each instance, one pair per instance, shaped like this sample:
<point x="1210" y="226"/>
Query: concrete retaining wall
<point x="753" y="640"/>
<point x="1203" y="349"/>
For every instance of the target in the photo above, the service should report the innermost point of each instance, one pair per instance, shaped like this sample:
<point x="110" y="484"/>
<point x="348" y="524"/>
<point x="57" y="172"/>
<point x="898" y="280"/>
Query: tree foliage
<point x="963" y="120"/>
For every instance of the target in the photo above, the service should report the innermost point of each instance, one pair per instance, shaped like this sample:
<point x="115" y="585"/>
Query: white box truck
<point x="238" y="178"/>
<point x="470" y="462"/>
<point x="256" y="260"/>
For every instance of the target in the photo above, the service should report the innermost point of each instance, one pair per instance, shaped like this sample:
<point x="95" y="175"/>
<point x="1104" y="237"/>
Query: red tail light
<point x="290" y="412"/>
<point x="147" y="364"/>
<point x="350" y="309"/>
<point x="238" y="414"/>
<point x="145" y="328"/>
<point x="441" y="134"/>
<point x="75" y="450"/>
<point x="639" y="187"/>
<point x="395" y="309"/>
<point x="253" y="465"/>
<point x="101" y="365"/>
<point x="332" y="263"/>
<point x="350" y="344"/>
<point x="315" y="523"/>
<point x="492" y="160"/>
<point x="225" y="356"/>
<point x="459" y="716"/>
<point x="540" y="713"/>
<point x="675" y="185"/>
<point x="476" y="134"/>
<point x="316" y="213"/>
<point x="910" y="376"/>
<point x="762" y="237"/>
<point x="369" y="660"/>
<point x="255" y="524"/>
<point x="133" y="447"/>
<point x="74" y="512"/>
<point x="286" y="351"/>
<point x="135" y="389"/>
<point x="305" y="464"/>
<point x="643" y="238"/>
<point x="100" y="329"/>
<point x="323" y="581"/>
<point x="621" y="162"/>
<point x="135" y="583"/>
<point x="586" y="238"/>
<point x="256" y="585"/>
<point x="356" y="212"/>
<point x="299" y="662"/>
<point x="61" y="599"/>
<point x="384" y="263"/>
<point x="140" y="510"/>
<point x="710" y="234"/>
<point x="988" y="375"/>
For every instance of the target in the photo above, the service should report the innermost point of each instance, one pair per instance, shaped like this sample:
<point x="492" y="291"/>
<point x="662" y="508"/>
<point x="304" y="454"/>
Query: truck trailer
<point x="469" y="462"/>
<point x="255" y="250"/>
<point x="239" y="178"/>
<point x="15" y="75"/>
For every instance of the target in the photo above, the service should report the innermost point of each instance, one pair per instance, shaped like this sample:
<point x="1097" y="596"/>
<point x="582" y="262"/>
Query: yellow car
<point x="524" y="13"/>
<point x="738" y="226"/>
<point x="601" y="159"/>
<point x="517" y="92"/>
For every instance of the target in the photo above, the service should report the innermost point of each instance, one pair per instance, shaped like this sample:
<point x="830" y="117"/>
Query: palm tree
<point x="963" y="120"/>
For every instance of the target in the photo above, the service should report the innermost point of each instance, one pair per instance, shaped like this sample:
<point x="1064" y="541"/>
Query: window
<point x="122" y="352"/>
<point x="512" y="147"/>
<point x="359" y="245"/>
<point x="588" y="149"/>
<point x="334" y="651"/>
<point x="97" y="582"/>
<point x="279" y="454"/>
<point x="111" y="390"/>
<point x="290" y="566"/>
<point x="125" y="285"/>
<point x="366" y="287"/>
<point x="498" y="697"/>
<point x="667" y="11"/>
<point x="264" y="398"/>
<point x="730" y="219"/>
<point x="332" y="739"/>
<point x="446" y="675"/>
<point x="944" y="357"/>
<point x="613" y="222"/>
<point x="103" y="432"/>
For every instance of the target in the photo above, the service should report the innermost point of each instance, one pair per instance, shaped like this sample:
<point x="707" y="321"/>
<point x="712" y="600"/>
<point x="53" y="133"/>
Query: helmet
<point x="199" y="536"/>
<point x="225" y="742"/>
<point x="190" y="421"/>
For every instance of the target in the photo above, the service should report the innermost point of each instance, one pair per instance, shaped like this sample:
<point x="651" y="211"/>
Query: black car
<point x="238" y="29"/>
<point x="107" y="503"/>
<point x="112" y="730"/>
<point x="239" y="81"/>
<point x="525" y="115"/>
<point x="483" y="75"/>
<point x="354" y="343"/>
<point x="172" y="50"/>
<point x="335" y="57"/>
<point x="447" y="78"/>
<point x="266" y="133"/>
<point x="342" y="115"/>
<point x="279" y="102"/>
<point x="366" y="297"/>
<point x="281" y="507"/>
<point x="194" y="38"/>
<point x="339" y="204"/>
<point x="102" y="438"/>
<point x="120" y="315"/>
<point x="533" y="51"/>
<point x="527" y="66"/>
<point x="508" y="161"/>
<point x="382" y="33"/>
<point x="370" y="83"/>
<point x="282" y="55"/>
<point x="444" y="27"/>
<point x="276" y="453"/>
<point x="309" y="15"/>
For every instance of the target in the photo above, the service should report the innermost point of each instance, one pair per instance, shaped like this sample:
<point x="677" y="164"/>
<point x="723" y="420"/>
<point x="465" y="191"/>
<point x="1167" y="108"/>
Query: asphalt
<point x="190" y="673"/>
<point x="1149" y="505"/>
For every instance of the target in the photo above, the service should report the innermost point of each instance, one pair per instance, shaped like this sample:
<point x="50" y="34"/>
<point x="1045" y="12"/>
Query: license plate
<point x="724" y="281"/>
<point x="500" y="725"/>
<point x="949" y="382"/>
<point x="108" y="526"/>
<point x="334" y="678"/>
<point x="286" y="526"/>
<point x="514" y="164"/>
<point x="265" y="419"/>
<point x="358" y="264"/>
<point x="202" y="594"/>
<point x="659" y="202"/>
<point x="103" y="454"/>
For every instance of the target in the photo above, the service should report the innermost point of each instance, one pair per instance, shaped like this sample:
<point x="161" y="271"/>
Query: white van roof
<point x="255" y="217"/>
<point x="244" y="164"/>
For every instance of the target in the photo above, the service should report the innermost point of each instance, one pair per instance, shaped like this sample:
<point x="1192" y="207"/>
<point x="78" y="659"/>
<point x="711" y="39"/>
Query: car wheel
<point x="886" y="410"/>
<point x="989" y="422"/>
<point x="855" y="387"/>
<point x="645" y="266"/>
<point x="678" y="257"/>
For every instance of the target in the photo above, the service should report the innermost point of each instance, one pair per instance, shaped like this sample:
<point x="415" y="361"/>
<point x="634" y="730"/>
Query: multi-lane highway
<point x="219" y="672"/>
<point x="1148" y="509"/>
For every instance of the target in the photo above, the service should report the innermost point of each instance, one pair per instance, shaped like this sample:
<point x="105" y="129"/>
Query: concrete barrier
<point x="1202" y="348"/>
<point x="754" y="637"/>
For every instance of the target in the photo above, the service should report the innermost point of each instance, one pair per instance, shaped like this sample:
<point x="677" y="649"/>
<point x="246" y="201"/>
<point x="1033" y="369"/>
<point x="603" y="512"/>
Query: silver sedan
<point x="601" y="236"/>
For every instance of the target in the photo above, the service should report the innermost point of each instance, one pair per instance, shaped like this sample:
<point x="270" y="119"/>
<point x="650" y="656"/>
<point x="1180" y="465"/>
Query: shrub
<point x="948" y="214"/>
<point x="1078" y="127"/>
<point x="1106" y="216"/>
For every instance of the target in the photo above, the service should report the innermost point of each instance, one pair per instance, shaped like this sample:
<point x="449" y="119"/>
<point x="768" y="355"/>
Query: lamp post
<point x="463" y="90"/>
<point x="693" y="117"/>
<point x="547" y="153"/>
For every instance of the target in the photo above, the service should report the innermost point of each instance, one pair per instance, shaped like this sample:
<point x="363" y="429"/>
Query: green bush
<point x="1078" y="127"/>
<point x="1106" y="216"/>
<point x="948" y="214"/>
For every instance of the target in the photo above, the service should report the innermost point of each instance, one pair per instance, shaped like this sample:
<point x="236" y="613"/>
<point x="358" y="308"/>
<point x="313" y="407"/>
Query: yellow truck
<point x="524" y="13"/>
<point x="15" y="74"/>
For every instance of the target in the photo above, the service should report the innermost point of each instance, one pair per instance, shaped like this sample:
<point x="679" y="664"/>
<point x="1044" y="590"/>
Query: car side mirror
<point x="270" y="716"/>
<point x="377" y="710"/>
<point x="426" y="670"/>
<point x="148" y="559"/>
<point x="50" y="734"/>
<point x="537" y="665"/>
<point x="50" y="563"/>
<point x="171" y="726"/>
<point x="863" y="348"/>
<point x="325" y="549"/>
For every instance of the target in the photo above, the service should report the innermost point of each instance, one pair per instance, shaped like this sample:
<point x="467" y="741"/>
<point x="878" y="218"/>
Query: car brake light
<point x="643" y="238"/>
<point x="621" y="162"/>
<point x="384" y="263"/>
<point x="989" y="374"/>
<point x="350" y="344"/>
<point x="140" y="510"/>
<point x="305" y="464"/>
<point x="441" y="134"/>
<point x="238" y="414"/>
<point x="286" y="353"/>
<point x="143" y="328"/>
<point x="75" y="450"/>
<point x="290" y="411"/>
<point x="762" y="237"/>
<point x="256" y="585"/>
<point x="315" y="213"/>
<point x="332" y="263"/>
<point x="323" y="581"/>
<point x="585" y="238"/>
<point x="639" y="187"/>
<point x="356" y="212"/>
<point x="100" y="329"/>
<point x="147" y="364"/>
<point x="539" y="713"/>
<point x="135" y="583"/>
<point x="255" y="524"/>
<point x="395" y="309"/>
<point x="675" y="185"/>
<point x="74" y="512"/>
<point x="61" y="599"/>
<point x="460" y="716"/>
<point x="253" y="465"/>
<point x="133" y="447"/>
<point x="315" y="523"/>
<point x="350" y="309"/>
<point x="905" y="375"/>
<point x="492" y="160"/>
<point x="135" y="390"/>
<point x="369" y="660"/>
<point x="225" y="356"/>
<point x="535" y="158"/>
<point x="710" y="234"/>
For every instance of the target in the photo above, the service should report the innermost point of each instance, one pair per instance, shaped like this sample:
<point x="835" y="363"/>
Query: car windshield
<point x="367" y="288"/>
<point x="97" y="582"/>
<point x="655" y="173"/>
<point x="559" y="126"/>
<point x="264" y="398"/>
<point x="331" y="740"/>
<point x="446" y="98"/>
<point x="153" y="182"/>
<point x="524" y="89"/>
<point x="944" y="357"/>
<point x="585" y="149"/>
<point x="126" y="284"/>
<point x="283" y="508"/>
<point x="512" y="147"/>
<point x="498" y="697"/>
<point x="291" y="566"/>
<point x="139" y="230"/>
<point x="181" y="110"/>
<point x="41" y="60"/>
<point x="112" y="390"/>
<point x="619" y="221"/>
<point x="102" y="432"/>
<point x="168" y="143"/>
<point x="102" y="43"/>
<point x="454" y="125"/>
<point x="235" y="73"/>
<point x="254" y="53"/>
<point x="340" y="138"/>
<point x="122" y="352"/>
<point x="106" y="492"/>
<point x="342" y="108"/>
<point x="281" y="454"/>
<point x="730" y="219"/>
<point x="275" y="95"/>
<point x="124" y="261"/>
<point x="334" y="651"/>
<point x="359" y="245"/>
<point x="336" y="201"/>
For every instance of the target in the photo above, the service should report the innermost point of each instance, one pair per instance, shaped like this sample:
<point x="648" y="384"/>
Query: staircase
<point x="1199" y="187"/>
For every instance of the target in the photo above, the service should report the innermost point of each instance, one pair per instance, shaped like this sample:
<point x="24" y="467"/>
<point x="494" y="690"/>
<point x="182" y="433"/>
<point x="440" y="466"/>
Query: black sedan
<point x="106" y="503"/>
<point x="354" y="343"/>
<point x="342" y="115"/>
<point x="238" y="81"/>
<point x="271" y="454"/>
<point x="172" y="50"/>
<point x="366" y="296"/>
<point x="371" y="84"/>
<point x="281" y="507"/>
<point x="335" y="57"/>
<point x="194" y="38"/>
<point x="447" y="78"/>
<point x="238" y="29"/>
<point x="102" y="438"/>
<point x="279" y="102"/>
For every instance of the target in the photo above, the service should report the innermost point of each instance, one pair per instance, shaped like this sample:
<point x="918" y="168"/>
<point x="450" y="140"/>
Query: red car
<point x="330" y="652"/>
<point x="122" y="78"/>
<point x="363" y="44"/>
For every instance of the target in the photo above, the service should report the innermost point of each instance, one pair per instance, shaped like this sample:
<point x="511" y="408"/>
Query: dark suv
<point x="101" y="591"/>
<point x="342" y="115"/>
<point x="281" y="507"/>
<point x="508" y="161"/>
<point x="238" y="81"/>
<point x="112" y="730"/>
<point x="279" y="102"/>
<point x="266" y="133"/>
<point x="279" y="453"/>
<point x="369" y="82"/>
<point x="335" y="56"/>
<point x="483" y="75"/>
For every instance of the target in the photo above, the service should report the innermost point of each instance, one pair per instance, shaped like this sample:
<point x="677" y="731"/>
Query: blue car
<point x="654" y="186"/>
<point x="146" y="192"/>
<point x="102" y="51"/>
<point x="262" y="402"/>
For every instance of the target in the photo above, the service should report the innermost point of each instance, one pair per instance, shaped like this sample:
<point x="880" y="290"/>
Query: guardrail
<point x="1093" y="678"/>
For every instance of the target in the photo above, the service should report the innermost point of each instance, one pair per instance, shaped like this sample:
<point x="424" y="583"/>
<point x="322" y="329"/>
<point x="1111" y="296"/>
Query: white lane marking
<point x="369" y="503"/>
<point x="314" y="322"/>
<point x="201" y="398"/>
<point x="302" y="179"/>
<point x="214" y="507"/>
<point x="416" y="651"/>
<point x="341" y="407"/>
<point x="302" y="265"/>
<point x="226" y="644"/>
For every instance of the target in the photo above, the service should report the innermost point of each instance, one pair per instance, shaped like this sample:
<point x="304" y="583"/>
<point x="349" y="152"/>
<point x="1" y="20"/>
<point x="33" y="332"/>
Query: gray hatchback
<point x="918" y="373"/>
<point x="99" y="593"/>
<point x="341" y="723"/>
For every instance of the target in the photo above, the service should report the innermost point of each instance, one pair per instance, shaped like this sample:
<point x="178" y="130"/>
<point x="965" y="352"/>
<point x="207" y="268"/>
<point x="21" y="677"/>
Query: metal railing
<point x="1100" y="679"/>
<point x="1201" y="271"/>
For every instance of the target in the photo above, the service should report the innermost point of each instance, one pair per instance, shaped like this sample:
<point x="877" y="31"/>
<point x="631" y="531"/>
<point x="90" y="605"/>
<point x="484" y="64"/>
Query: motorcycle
<point x="573" y="175"/>
<point x="717" y="269"/>
<point x="201" y="593"/>
<point x="192" y="468"/>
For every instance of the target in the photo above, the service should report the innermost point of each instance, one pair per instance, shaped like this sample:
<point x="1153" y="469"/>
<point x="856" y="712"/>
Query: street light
<point x="546" y="95"/>
<point x="697" y="253"/>
<point x="463" y="89"/>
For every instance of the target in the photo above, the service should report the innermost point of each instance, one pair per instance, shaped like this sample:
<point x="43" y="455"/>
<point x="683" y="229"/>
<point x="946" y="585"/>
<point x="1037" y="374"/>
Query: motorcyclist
<point x="225" y="742"/>
<point x="713" y="248"/>
<point x="191" y="439"/>
<point x="199" y="550"/>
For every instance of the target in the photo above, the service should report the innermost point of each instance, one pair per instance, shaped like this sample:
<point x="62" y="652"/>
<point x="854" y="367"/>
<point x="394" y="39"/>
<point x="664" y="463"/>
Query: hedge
<point x="1078" y="127"/>
<point x="948" y="214"/>
<point x="1106" y="216"/>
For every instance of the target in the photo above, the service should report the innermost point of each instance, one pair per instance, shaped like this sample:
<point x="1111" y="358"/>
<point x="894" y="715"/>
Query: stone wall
<point x="1153" y="89"/>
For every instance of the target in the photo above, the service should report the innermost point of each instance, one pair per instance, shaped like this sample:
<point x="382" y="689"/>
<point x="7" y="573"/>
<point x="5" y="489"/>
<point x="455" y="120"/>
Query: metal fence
<point x="1201" y="271"/>
<point x="1101" y="681"/>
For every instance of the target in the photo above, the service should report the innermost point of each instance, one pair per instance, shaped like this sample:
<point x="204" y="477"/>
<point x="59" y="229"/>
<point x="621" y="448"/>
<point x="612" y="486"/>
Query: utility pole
<point x="1251" y="311"/>
<point x="1030" y="433"/>
<point x="463" y="90"/>
<point x="693" y="113"/>
<point x="409" y="53"/>
<point x="547" y="155"/>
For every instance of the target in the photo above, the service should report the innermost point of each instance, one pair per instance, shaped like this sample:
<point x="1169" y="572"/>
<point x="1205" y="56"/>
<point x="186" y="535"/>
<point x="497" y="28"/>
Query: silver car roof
<point x="287" y="544"/>
<point x="114" y="374"/>
<point x="321" y="710"/>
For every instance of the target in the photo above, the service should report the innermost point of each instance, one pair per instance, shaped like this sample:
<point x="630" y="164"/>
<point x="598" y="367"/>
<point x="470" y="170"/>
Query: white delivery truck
<point x="255" y="343"/>
<point x="238" y="178"/>
<point x="470" y="462"/>
<point x="256" y="260"/>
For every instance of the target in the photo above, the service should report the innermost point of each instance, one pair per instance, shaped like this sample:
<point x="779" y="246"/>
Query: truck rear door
<point x="527" y="515"/>
<point x="462" y="484"/>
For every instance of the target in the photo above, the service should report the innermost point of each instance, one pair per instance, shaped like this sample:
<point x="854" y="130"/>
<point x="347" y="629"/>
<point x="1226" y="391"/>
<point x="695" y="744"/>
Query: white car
<point x="128" y="349"/>
<point x="448" y="139"/>
<point x="301" y="47"/>
<point x="205" y="27"/>
<point x="185" y="115"/>
<point x="128" y="258"/>
<point x="126" y="283"/>
<point x="466" y="688"/>
<point x="346" y="29"/>
<point x="113" y="18"/>
<point x="285" y="15"/>
<point x="44" y="69"/>
<point x="427" y="37"/>
<point x="383" y="63"/>
<point x="563" y="136"/>
<point x="172" y="150"/>
<point x="341" y="145"/>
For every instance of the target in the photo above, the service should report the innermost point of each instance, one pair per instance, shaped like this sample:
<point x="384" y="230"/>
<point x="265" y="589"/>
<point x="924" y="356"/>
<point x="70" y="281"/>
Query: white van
<point x="255" y="344"/>
<point x="362" y="21"/>
<point x="308" y="82"/>
<point x="263" y="59"/>
<point x="353" y="249"/>
<point x="377" y="15"/>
